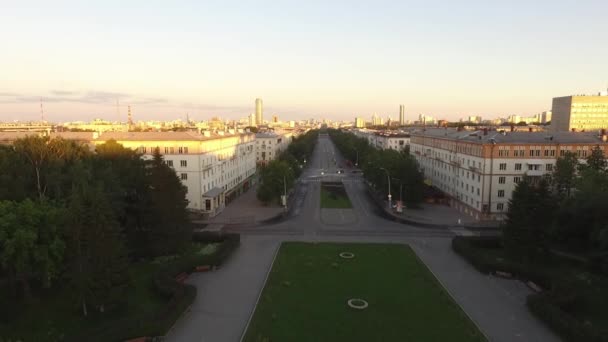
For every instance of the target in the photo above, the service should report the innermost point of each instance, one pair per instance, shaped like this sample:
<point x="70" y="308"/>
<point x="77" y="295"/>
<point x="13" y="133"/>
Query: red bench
<point x="181" y="277"/>
<point x="202" y="268"/>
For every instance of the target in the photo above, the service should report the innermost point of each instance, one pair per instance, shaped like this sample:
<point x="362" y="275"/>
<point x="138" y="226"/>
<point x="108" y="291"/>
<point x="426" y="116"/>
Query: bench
<point x="202" y="268"/>
<point x="181" y="277"/>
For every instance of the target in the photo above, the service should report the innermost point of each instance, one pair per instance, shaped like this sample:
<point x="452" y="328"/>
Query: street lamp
<point x="400" y="189"/>
<point x="284" y="192"/>
<point x="357" y="162"/>
<point x="389" y="188"/>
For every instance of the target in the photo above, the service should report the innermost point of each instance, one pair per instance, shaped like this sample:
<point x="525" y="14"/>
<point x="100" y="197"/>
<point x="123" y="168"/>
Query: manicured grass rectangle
<point x="333" y="195"/>
<point x="305" y="298"/>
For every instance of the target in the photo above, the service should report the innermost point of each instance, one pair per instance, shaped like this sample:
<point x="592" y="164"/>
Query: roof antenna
<point x="41" y="111"/>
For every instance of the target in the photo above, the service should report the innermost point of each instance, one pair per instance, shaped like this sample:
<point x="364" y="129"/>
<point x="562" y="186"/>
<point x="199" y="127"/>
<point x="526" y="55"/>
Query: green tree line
<point x="281" y="173"/>
<point x="566" y="210"/>
<point x="401" y="166"/>
<point x="75" y="218"/>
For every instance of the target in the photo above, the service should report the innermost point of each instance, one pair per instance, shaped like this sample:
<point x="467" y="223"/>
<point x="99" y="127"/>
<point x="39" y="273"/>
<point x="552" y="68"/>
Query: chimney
<point x="573" y="129"/>
<point x="512" y="128"/>
<point x="529" y="129"/>
<point x="603" y="131"/>
<point x="485" y="131"/>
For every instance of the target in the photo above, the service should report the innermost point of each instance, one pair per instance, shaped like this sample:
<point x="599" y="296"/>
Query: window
<point x="502" y="180"/>
<point x="549" y="167"/>
<point x="183" y="163"/>
<point x="501" y="193"/>
<point x="518" y="167"/>
<point x="186" y="149"/>
<point x="141" y="149"/>
<point x="184" y="176"/>
<point x="169" y="163"/>
<point x="516" y="180"/>
<point x="502" y="166"/>
<point x="180" y="150"/>
<point x="500" y="206"/>
<point x="166" y="149"/>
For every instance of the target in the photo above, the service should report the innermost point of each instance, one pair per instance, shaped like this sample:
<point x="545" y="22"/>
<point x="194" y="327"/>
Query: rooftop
<point x="162" y="136"/>
<point x="504" y="137"/>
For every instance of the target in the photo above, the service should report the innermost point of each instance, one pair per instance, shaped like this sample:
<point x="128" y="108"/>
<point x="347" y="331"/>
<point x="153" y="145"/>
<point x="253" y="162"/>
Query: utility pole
<point x="41" y="111"/>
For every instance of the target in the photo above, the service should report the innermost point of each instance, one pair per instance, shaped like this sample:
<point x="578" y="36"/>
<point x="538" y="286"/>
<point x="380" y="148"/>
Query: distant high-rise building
<point x="252" y="120"/>
<point x="259" y="115"/>
<point x="359" y="123"/>
<point x="580" y="113"/>
<point x="401" y="115"/>
<point x="545" y="117"/>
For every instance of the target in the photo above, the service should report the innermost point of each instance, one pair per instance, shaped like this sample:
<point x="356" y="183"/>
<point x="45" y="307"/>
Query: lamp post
<point x="357" y="162"/>
<point x="284" y="192"/>
<point x="400" y="189"/>
<point x="389" y="188"/>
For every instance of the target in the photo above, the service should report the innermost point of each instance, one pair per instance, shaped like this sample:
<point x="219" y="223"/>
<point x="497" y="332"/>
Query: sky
<point x="305" y="59"/>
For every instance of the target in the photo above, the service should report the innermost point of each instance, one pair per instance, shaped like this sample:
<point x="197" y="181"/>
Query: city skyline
<point x="334" y="61"/>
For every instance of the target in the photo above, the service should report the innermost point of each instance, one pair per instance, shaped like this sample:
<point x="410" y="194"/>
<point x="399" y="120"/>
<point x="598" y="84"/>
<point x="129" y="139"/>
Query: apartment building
<point x="478" y="171"/>
<point x="579" y="113"/>
<point x="384" y="139"/>
<point x="214" y="167"/>
<point x="269" y="145"/>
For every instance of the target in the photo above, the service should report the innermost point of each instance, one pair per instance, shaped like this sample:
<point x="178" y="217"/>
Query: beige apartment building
<point x="582" y="113"/>
<point x="478" y="171"/>
<point x="214" y="167"/>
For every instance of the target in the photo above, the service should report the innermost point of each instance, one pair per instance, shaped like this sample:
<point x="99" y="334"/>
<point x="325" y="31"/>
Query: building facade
<point x="579" y="113"/>
<point x="401" y="115"/>
<point x="259" y="112"/>
<point x="478" y="171"/>
<point x="269" y="145"/>
<point x="213" y="167"/>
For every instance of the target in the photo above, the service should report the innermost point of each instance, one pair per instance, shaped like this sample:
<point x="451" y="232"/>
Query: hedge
<point x="564" y="324"/>
<point x="180" y="296"/>
<point x="550" y="306"/>
<point x="471" y="248"/>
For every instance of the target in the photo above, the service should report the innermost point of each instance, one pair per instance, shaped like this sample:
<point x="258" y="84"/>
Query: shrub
<point x="564" y="324"/>
<point x="179" y="295"/>
<point x="552" y="306"/>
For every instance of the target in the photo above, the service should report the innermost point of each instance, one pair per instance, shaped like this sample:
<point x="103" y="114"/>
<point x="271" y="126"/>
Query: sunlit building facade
<point x="478" y="171"/>
<point x="579" y="113"/>
<point x="214" y="167"/>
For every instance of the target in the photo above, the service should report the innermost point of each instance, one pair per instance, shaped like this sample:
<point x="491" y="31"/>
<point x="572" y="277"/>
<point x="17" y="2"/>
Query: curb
<point x="276" y="252"/>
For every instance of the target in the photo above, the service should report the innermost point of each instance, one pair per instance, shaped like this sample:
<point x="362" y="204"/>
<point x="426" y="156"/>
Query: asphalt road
<point x="227" y="297"/>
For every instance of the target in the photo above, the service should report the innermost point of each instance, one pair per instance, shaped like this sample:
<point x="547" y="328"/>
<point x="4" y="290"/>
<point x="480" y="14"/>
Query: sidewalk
<point x="433" y="215"/>
<point x="245" y="209"/>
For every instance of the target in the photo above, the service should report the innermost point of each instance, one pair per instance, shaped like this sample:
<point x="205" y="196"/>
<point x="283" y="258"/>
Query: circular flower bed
<point x="346" y="255"/>
<point x="357" y="303"/>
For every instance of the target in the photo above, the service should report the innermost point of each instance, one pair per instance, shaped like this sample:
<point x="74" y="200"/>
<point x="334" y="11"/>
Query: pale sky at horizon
<point x="321" y="59"/>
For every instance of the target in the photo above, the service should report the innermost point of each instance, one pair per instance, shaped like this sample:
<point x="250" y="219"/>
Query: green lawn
<point x="334" y="197"/>
<point x="307" y="290"/>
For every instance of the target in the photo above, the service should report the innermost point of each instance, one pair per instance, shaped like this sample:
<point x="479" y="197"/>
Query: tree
<point x="170" y="229"/>
<point x="276" y="177"/>
<point x="564" y="173"/>
<point x="526" y="226"/>
<point x="596" y="160"/>
<point x="129" y="194"/>
<point x="98" y="263"/>
<point x="31" y="244"/>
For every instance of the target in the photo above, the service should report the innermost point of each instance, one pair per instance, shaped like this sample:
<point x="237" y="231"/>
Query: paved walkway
<point x="246" y="209"/>
<point x="227" y="297"/>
